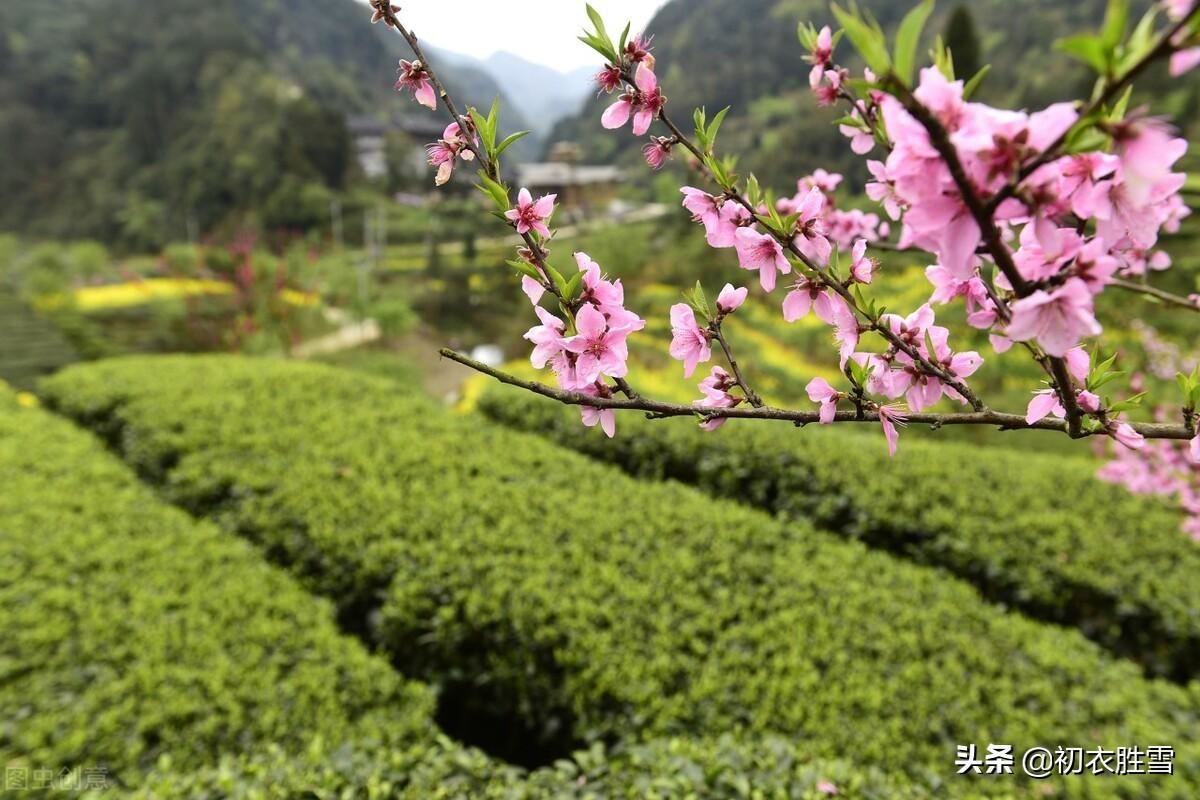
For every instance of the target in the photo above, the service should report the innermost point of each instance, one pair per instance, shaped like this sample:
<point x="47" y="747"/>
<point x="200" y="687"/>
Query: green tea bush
<point x="1111" y="564"/>
<point x="660" y="770"/>
<point x="130" y="631"/>
<point x="562" y="592"/>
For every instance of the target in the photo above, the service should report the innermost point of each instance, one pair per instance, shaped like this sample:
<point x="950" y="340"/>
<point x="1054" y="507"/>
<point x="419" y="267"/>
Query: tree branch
<point x="1166" y="297"/>
<point x="659" y="409"/>
<point x="1163" y="47"/>
<point x="535" y="248"/>
<point x="993" y="242"/>
<point x="751" y="396"/>
<point x="789" y="242"/>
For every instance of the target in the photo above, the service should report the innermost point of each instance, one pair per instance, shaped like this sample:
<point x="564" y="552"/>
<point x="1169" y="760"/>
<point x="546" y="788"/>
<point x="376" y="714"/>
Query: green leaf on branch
<point x="1116" y="16"/>
<point x="976" y="79"/>
<point x="509" y="140"/>
<point x="1102" y="374"/>
<point x="867" y="38"/>
<point x="599" y="39"/>
<point x="930" y="349"/>
<point x="486" y="126"/>
<point x="908" y="36"/>
<point x="597" y="21"/>
<point x="1086" y="48"/>
<point x="700" y="122"/>
<point x="497" y="191"/>
<point x="573" y="285"/>
<point x="600" y="46"/>
<point x="1189" y="386"/>
<point x="1140" y="41"/>
<point x="865" y="303"/>
<point x="696" y="298"/>
<point x="807" y="34"/>
<point x="942" y="58"/>
<point x="753" y="190"/>
<point x="857" y="373"/>
<point x="525" y="268"/>
<point x="1122" y="106"/>
<point x="1128" y="404"/>
<point x="560" y="282"/>
<point x="711" y="133"/>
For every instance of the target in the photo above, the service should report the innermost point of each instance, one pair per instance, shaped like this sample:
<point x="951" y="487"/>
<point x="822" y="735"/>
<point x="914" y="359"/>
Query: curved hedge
<point x="581" y="600"/>
<point x="130" y="631"/>
<point x="1037" y="532"/>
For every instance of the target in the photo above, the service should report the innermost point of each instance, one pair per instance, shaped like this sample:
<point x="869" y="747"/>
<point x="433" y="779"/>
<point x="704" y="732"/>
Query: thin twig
<point x="535" y="247"/>
<point x="751" y="396"/>
<point x="1166" y="297"/>
<point x="658" y="409"/>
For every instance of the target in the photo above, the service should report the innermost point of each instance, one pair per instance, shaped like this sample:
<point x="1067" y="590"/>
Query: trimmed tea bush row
<point x="661" y="770"/>
<point x="134" y="637"/>
<point x="569" y="595"/>
<point x="1037" y="532"/>
<point x="129" y="631"/>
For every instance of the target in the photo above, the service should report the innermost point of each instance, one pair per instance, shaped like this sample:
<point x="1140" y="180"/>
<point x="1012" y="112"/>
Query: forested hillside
<point x="138" y="122"/>
<point x="747" y="55"/>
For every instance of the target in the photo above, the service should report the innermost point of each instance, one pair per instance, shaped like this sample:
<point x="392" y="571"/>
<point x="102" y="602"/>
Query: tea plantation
<point x="560" y="603"/>
<point x="152" y="655"/>
<point x="1030" y="530"/>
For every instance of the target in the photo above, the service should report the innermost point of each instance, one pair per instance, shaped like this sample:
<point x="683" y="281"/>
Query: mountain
<point x="544" y="95"/>
<point x="746" y="55"/>
<point x="135" y="121"/>
<point x="548" y="95"/>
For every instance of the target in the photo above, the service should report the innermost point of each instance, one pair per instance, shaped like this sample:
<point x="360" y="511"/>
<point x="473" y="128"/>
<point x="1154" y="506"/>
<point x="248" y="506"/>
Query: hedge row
<point x="1037" y="532"/>
<point x="139" y="641"/>
<point x="566" y="594"/>
<point x="129" y="631"/>
<point x="660" y="770"/>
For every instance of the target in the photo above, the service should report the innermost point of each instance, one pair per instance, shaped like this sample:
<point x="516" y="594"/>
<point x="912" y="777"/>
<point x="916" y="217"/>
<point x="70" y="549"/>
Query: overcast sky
<point x="543" y="31"/>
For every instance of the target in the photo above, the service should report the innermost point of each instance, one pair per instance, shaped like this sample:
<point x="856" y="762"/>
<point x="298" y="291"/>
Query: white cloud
<point x="542" y="31"/>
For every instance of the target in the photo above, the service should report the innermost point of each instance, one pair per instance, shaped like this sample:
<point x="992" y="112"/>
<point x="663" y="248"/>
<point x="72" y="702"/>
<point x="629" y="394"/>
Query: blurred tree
<point x="962" y="38"/>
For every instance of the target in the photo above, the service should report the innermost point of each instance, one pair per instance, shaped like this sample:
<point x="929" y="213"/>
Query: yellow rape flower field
<point x="149" y="290"/>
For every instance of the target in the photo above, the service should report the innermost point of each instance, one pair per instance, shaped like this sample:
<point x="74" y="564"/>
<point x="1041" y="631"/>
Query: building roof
<point x="555" y="173"/>
<point x="423" y="126"/>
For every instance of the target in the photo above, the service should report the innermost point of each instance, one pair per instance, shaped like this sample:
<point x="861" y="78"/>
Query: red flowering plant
<point x="1027" y="217"/>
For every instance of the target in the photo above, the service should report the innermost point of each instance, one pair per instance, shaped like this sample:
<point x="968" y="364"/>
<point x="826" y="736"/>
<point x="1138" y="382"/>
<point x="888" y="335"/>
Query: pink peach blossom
<point x="758" y="251"/>
<point x="592" y="416"/>
<point x="1043" y="404"/>
<point x="689" y="342"/>
<point x="715" y="389"/>
<point x="1124" y="433"/>
<point x="819" y="391"/>
<point x="808" y="295"/>
<point x="414" y="78"/>
<point x="862" y="268"/>
<point x="599" y="350"/>
<point x="530" y="215"/>
<point x="889" y="418"/>
<point x="1057" y="319"/>
<point x="731" y="299"/>
<point x="1184" y="61"/>
<point x="657" y="152"/>
<point x="442" y="153"/>
<point x="547" y="338"/>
